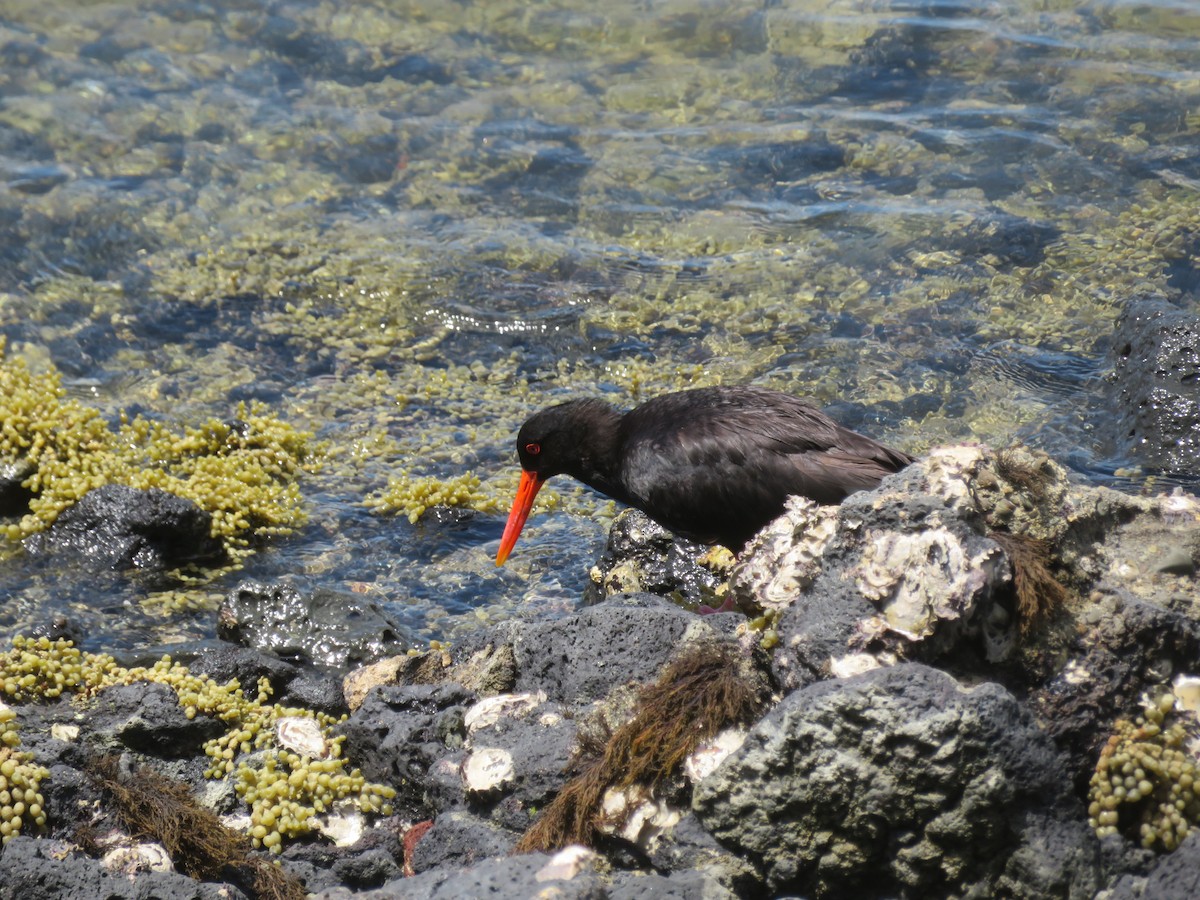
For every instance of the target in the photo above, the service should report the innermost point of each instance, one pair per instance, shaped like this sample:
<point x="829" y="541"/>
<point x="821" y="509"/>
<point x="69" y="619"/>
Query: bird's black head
<point x="569" y="438"/>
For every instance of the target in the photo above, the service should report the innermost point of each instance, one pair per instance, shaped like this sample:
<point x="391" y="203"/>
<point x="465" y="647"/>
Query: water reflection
<point x="404" y="226"/>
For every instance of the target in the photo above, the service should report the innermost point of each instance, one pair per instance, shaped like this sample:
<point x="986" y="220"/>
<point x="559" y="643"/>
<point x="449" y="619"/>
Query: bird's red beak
<point x="530" y="484"/>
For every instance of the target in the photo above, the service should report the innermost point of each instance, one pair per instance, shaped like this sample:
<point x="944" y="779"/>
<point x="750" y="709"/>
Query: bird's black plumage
<point x="714" y="464"/>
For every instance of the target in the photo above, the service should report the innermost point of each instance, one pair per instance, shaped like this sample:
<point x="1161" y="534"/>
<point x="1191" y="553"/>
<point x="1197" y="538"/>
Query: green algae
<point x="286" y="790"/>
<point x="242" y="471"/>
<point x="1146" y="779"/>
<point x="21" y="803"/>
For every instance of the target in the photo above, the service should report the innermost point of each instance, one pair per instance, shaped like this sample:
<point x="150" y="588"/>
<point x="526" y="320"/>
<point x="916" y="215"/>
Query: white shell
<point x="146" y="857"/>
<point x="345" y="825"/>
<point x="490" y="710"/>
<point x="567" y="863"/>
<point x="487" y="768"/>
<point x="644" y="819"/>
<point x="711" y="753"/>
<point x="302" y="735"/>
<point x="1186" y="689"/>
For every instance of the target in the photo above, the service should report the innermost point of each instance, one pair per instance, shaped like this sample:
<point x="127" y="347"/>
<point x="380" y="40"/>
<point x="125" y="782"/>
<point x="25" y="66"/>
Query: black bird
<point x="712" y="464"/>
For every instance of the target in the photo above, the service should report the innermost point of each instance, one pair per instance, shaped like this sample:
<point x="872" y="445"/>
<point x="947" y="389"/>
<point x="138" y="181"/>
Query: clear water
<point x="405" y="226"/>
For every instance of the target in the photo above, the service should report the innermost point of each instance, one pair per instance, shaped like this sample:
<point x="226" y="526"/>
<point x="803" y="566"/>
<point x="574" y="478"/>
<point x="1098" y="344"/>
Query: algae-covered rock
<point x="241" y="473"/>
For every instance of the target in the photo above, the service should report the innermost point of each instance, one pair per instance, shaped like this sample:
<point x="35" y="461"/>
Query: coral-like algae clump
<point x="41" y="668"/>
<point x="1145" y="785"/>
<point x="286" y="793"/>
<point x="242" y="471"/>
<point x="290" y="789"/>
<point x="20" y="801"/>
<point x="412" y="497"/>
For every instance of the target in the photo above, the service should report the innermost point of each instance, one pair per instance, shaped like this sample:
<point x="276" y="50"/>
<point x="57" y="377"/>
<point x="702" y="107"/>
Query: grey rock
<point x="31" y="868"/>
<point x="1176" y="561"/>
<point x="147" y="717"/>
<point x="538" y="743"/>
<point x="506" y="878"/>
<point x="901" y="782"/>
<point x="1127" y="646"/>
<point x="371" y="862"/>
<point x="1173" y="876"/>
<point x="459" y="839"/>
<point x="694" y="884"/>
<point x="582" y="657"/>
<point x="399" y="734"/>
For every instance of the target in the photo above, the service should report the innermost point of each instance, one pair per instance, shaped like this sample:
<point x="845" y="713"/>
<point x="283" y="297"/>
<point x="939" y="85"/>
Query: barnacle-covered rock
<point x="920" y="580"/>
<point x="786" y="553"/>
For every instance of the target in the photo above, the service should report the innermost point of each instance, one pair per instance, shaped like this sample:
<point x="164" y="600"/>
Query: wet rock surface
<point x="119" y="527"/>
<point x="950" y="656"/>
<point x="1155" y="385"/>
<point x="321" y="626"/>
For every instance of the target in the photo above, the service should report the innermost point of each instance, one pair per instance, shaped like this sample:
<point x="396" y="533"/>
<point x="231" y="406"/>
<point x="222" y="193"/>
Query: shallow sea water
<point x="404" y="226"/>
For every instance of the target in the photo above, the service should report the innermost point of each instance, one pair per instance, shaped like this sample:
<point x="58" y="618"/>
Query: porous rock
<point x="147" y="717"/>
<point x="504" y="878"/>
<point x="1125" y="646"/>
<point x="1175" y="876"/>
<point x="399" y="733"/>
<point x="901" y="781"/>
<point x="460" y="838"/>
<point x="582" y="657"/>
<point x="32" y="868"/>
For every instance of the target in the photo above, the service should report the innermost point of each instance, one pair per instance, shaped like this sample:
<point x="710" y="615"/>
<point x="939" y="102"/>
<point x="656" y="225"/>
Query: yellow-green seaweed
<point x="1145" y="784"/>
<point x="243" y="471"/>
<point x="285" y="792"/>
<point x="20" y="801"/>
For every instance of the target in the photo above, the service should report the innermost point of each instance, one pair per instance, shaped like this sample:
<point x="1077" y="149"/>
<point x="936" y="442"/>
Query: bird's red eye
<point x="533" y="449"/>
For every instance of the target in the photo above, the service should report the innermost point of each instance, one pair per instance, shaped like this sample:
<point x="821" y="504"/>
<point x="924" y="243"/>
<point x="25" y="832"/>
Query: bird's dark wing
<point x="719" y="464"/>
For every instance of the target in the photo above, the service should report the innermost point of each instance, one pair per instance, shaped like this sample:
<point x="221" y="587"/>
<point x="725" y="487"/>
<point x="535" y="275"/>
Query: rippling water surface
<point x="403" y="226"/>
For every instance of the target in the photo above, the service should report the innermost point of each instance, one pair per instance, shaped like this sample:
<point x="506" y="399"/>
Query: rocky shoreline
<point x="980" y="679"/>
